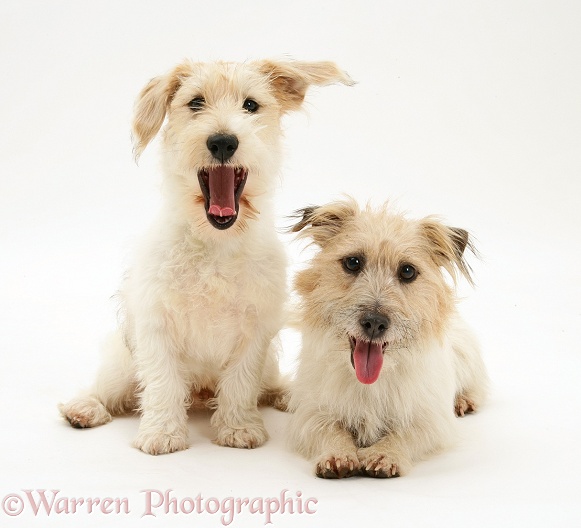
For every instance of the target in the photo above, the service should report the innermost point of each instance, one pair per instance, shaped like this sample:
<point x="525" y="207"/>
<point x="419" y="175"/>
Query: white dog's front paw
<point x="337" y="466"/>
<point x="247" y="437"/>
<point x="378" y="464"/>
<point x="161" y="443"/>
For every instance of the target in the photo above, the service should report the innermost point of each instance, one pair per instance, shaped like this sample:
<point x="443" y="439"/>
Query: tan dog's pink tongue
<point x="368" y="360"/>
<point x="221" y="184"/>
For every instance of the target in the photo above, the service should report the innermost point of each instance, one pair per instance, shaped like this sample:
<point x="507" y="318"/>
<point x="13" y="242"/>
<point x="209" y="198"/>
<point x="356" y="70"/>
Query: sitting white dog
<point x="205" y="297"/>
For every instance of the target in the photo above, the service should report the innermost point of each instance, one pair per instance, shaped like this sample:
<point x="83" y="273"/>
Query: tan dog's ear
<point x="322" y="223"/>
<point x="290" y="80"/>
<point x="152" y="104"/>
<point x="448" y="245"/>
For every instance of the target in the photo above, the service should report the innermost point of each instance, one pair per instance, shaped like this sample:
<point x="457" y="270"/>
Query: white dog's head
<point x="376" y="287"/>
<point x="221" y="143"/>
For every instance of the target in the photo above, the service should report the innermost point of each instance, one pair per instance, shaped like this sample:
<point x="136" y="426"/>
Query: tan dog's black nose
<point x="222" y="146"/>
<point x="374" y="325"/>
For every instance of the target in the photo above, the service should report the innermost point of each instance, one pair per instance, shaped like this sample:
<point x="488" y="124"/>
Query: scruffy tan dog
<point x="386" y="360"/>
<point x="205" y="297"/>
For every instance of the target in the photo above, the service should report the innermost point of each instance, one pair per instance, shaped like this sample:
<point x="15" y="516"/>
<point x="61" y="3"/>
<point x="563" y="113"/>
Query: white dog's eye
<point x="197" y="103"/>
<point x="250" y="105"/>
<point x="352" y="264"/>
<point x="407" y="273"/>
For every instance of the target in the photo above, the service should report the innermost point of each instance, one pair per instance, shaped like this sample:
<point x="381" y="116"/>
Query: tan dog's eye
<point x="407" y="273"/>
<point x="197" y="103"/>
<point x="352" y="264"/>
<point x="250" y="105"/>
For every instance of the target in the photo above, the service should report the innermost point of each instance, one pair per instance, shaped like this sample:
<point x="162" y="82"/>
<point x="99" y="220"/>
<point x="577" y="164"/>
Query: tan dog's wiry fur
<point x="205" y="297"/>
<point x="386" y="361"/>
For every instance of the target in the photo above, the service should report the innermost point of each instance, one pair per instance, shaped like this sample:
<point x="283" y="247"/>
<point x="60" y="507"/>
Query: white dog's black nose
<point x="222" y="146"/>
<point x="374" y="325"/>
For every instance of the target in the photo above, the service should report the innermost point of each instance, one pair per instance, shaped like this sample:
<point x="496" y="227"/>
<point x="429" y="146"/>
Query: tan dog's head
<point x="376" y="286"/>
<point x="222" y="139"/>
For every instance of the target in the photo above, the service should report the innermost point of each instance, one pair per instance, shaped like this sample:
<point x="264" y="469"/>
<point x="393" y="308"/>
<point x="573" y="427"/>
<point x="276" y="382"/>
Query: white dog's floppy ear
<point x="290" y="80"/>
<point x="448" y="245"/>
<point x="322" y="223"/>
<point x="152" y="104"/>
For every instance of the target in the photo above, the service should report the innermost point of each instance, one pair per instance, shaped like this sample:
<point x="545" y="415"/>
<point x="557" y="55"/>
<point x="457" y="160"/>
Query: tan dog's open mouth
<point x="222" y="187"/>
<point x="367" y="359"/>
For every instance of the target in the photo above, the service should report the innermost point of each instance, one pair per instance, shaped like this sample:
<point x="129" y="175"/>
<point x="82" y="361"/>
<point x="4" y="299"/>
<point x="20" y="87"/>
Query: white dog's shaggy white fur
<point x="386" y="361"/>
<point x="205" y="297"/>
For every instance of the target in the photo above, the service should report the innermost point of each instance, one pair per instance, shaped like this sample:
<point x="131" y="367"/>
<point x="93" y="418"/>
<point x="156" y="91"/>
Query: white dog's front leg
<point x="163" y="426"/>
<point x="237" y="419"/>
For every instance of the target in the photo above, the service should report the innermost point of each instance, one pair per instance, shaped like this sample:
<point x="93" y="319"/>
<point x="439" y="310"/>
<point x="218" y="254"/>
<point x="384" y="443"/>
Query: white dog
<point x="205" y="297"/>
<point x="386" y="360"/>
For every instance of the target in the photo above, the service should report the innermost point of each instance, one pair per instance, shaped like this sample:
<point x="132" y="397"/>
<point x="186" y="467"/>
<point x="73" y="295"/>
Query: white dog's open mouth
<point x="367" y="359"/>
<point x="222" y="187"/>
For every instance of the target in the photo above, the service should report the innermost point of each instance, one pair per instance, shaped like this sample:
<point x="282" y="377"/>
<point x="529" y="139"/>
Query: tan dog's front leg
<point x="384" y="459"/>
<point x="237" y="418"/>
<point x="394" y="454"/>
<point x="338" y="453"/>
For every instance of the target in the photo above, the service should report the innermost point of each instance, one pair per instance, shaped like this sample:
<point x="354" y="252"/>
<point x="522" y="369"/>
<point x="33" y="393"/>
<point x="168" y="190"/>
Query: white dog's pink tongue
<point x="368" y="360"/>
<point x="221" y="184"/>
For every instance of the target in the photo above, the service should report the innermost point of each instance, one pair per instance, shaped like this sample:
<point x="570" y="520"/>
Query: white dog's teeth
<point x="328" y="465"/>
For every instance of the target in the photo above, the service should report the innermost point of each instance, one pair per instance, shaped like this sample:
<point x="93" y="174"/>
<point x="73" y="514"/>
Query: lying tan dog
<point x="386" y="361"/>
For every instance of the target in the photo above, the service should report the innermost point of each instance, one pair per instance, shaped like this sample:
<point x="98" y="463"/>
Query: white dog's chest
<point x="226" y="301"/>
<point x="209" y="298"/>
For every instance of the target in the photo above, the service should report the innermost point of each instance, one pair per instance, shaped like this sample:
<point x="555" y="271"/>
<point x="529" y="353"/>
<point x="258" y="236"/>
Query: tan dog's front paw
<point x="244" y="438"/>
<point x="160" y="443"/>
<point x="378" y="465"/>
<point x="337" y="466"/>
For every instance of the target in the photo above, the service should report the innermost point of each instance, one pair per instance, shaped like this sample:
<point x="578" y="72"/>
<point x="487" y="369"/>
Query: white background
<point x="470" y="110"/>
